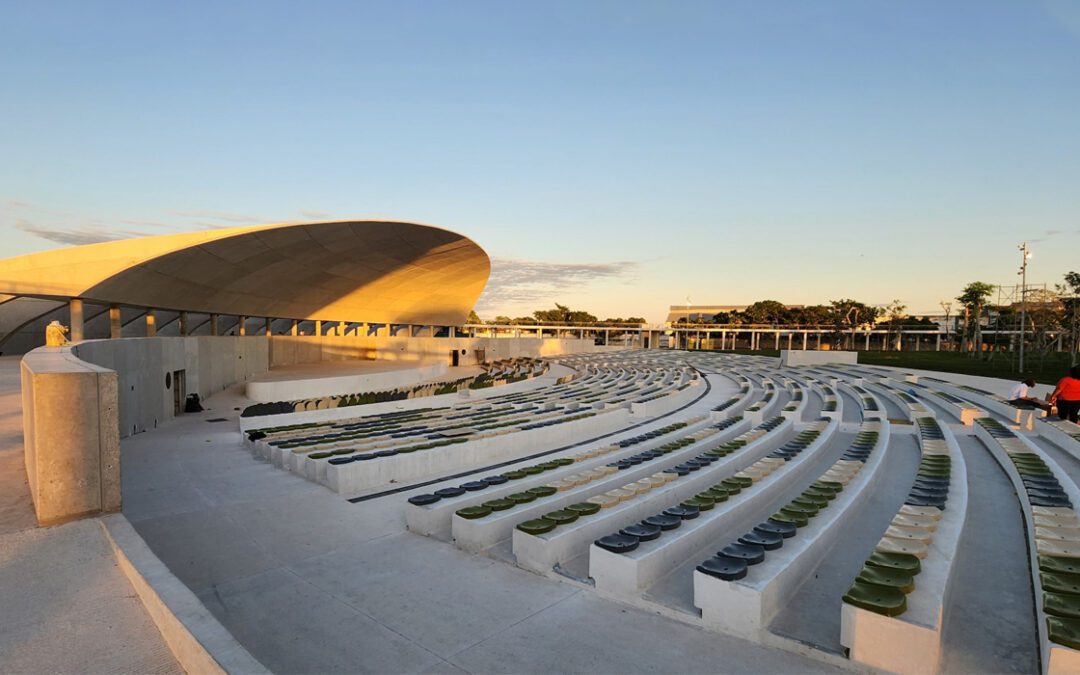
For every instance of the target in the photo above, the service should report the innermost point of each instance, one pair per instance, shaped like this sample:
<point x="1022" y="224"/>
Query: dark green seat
<point x="532" y="470"/>
<point x="1049" y="563"/>
<point x="1060" y="582"/>
<point x="1064" y="631"/>
<point x="521" y="497"/>
<point x="828" y="485"/>
<point x="701" y="504"/>
<point x="798" y="518"/>
<point x="499" y="504"/>
<point x="474" y="512"/>
<point x="827" y="495"/>
<point x="1062" y="604"/>
<point x="515" y="475"/>
<point x="542" y="491"/>
<point x="877" y="599"/>
<point x="732" y="487"/>
<point x="807" y="507"/>
<point x="537" y="526"/>
<point x="888" y="577"/>
<point x="815" y="500"/>
<point x="741" y="481"/>
<point x="562" y="516"/>
<point x="584" y="508"/>
<point x="718" y="494"/>
<point x="898" y="561"/>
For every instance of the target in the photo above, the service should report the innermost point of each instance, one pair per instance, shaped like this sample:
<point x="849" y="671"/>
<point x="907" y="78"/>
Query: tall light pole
<point x="1025" y="255"/>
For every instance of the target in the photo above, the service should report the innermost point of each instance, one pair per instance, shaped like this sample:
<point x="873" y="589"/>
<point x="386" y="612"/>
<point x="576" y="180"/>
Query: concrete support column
<point x="453" y="331"/>
<point x="295" y="327"/>
<point x="937" y="343"/>
<point x="776" y="340"/>
<point x="114" y="322"/>
<point x="213" y="324"/>
<point x="804" y="336"/>
<point x="241" y="325"/>
<point x="269" y="325"/>
<point x="151" y="323"/>
<point x="78" y="324"/>
<point x="318" y="327"/>
<point x="183" y="323"/>
<point x="790" y="337"/>
<point x="867" y="340"/>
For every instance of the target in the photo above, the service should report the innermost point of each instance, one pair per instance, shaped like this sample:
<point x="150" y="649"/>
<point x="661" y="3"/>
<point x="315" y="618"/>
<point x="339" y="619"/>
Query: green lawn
<point x="1045" y="370"/>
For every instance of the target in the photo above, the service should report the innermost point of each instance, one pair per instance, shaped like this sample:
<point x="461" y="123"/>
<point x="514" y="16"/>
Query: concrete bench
<point x="630" y="573"/>
<point x="745" y="607"/>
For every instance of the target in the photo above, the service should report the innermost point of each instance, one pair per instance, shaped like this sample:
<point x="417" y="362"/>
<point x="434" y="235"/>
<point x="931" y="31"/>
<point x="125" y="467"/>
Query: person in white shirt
<point x="1019" y="396"/>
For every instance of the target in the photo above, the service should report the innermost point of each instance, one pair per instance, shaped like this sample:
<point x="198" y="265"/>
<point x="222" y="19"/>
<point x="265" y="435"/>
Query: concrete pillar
<point x="183" y="323"/>
<point x="78" y="325"/>
<point x="804" y="335"/>
<point x="341" y="328"/>
<point x="776" y="340"/>
<point x="453" y="331"/>
<point x="151" y="323"/>
<point x="937" y="343"/>
<point x="269" y="325"/>
<point x="318" y="327"/>
<point x="295" y="327"/>
<point x="790" y="337"/>
<point x="867" y="340"/>
<point x="213" y="324"/>
<point x="241" y="325"/>
<point x="114" y="322"/>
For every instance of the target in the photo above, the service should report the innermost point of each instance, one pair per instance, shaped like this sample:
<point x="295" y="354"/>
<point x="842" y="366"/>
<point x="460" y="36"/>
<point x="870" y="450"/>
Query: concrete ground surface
<point x="65" y="607"/>
<point x="308" y="582"/>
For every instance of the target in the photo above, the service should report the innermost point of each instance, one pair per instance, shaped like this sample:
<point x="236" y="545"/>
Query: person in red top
<point x="1067" y="395"/>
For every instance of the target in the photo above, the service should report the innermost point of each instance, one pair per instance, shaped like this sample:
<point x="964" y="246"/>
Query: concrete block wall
<point x="71" y="441"/>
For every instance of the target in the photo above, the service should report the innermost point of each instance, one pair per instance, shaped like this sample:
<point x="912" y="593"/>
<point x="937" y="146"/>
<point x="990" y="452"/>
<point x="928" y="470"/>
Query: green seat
<point x="699" y="503"/>
<point x="934" y="472"/>
<point x="532" y="470"/>
<point x="1050" y="563"/>
<point x="521" y="497"/>
<point x="897" y="561"/>
<point x="807" y="507"/>
<point x="712" y="497"/>
<point x="474" y="512"/>
<point x="797" y="518"/>
<point x="812" y="499"/>
<point x="562" y="516"/>
<point x="1062" y="604"/>
<point x="537" y="526"/>
<point x="542" y="491"/>
<point x="499" y="504"/>
<point x="1060" y="582"/>
<point x="1064" y="631"/>
<point x="741" y="481"/>
<point x="877" y="599"/>
<point x="888" y="577"/>
<point x="828" y="485"/>
<point x="732" y="488"/>
<point x="719" y="494"/>
<point x="827" y="495"/>
<point x="584" y="508"/>
<point x="514" y="475"/>
<point x="563" y="461"/>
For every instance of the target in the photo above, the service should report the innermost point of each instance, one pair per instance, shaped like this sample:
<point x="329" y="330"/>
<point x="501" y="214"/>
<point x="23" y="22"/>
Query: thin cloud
<point x="523" y="282"/>
<point x="315" y="215"/>
<point x="74" y="236"/>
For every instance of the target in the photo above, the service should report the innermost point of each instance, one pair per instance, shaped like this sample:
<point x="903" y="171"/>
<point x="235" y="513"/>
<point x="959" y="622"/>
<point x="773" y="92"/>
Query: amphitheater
<point x="368" y="490"/>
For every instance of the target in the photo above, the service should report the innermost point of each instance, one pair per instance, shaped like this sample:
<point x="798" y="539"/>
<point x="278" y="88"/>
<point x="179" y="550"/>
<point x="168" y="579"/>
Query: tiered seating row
<point x="1047" y="499"/>
<point x="741" y="588"/>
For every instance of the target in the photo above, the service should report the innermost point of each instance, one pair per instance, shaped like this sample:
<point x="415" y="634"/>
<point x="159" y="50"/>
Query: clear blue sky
<point x="614" y="156"/>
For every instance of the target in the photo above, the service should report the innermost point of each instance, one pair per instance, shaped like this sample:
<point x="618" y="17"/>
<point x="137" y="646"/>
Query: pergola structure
<point x="325" y="277"/>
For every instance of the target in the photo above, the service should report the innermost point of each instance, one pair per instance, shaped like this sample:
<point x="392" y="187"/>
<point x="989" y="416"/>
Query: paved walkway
<point x="310" y="583"/>
<point x="65" y="607"/>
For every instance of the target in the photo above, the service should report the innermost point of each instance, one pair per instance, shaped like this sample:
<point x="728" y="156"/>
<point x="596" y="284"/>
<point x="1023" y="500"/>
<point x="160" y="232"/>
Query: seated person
<point x="1020" y="397"/>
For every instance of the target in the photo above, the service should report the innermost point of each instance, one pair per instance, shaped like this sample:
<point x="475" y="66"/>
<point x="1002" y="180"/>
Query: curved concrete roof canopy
<point x="373" y="271"/>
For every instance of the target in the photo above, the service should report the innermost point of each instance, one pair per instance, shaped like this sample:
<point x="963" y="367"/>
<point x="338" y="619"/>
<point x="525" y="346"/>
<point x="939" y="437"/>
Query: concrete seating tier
<point x="741" y="588"/>
<point x="891" y="614"/>
<point x="431" y="513"/>
<point x="1048" y="497"/>
<point x="600" y="487"/>
<point x="631" y="558"/>
<point x="1061" y="433"/>
<point x="542" y="543"/>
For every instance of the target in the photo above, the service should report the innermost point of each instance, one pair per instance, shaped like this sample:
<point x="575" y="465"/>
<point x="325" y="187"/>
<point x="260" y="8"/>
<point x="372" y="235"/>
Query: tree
<point x="473" y="317"/>
<point x="563" y="314"/>
<point x="946" y="306"/>
<point x="766" y="311"/>
<point x="895" y="313"/>
<point x="850" y="314"/>
<point x="1070" y="292"/>
<point x="815" y="315"/>
<point x="973" y="298"/>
